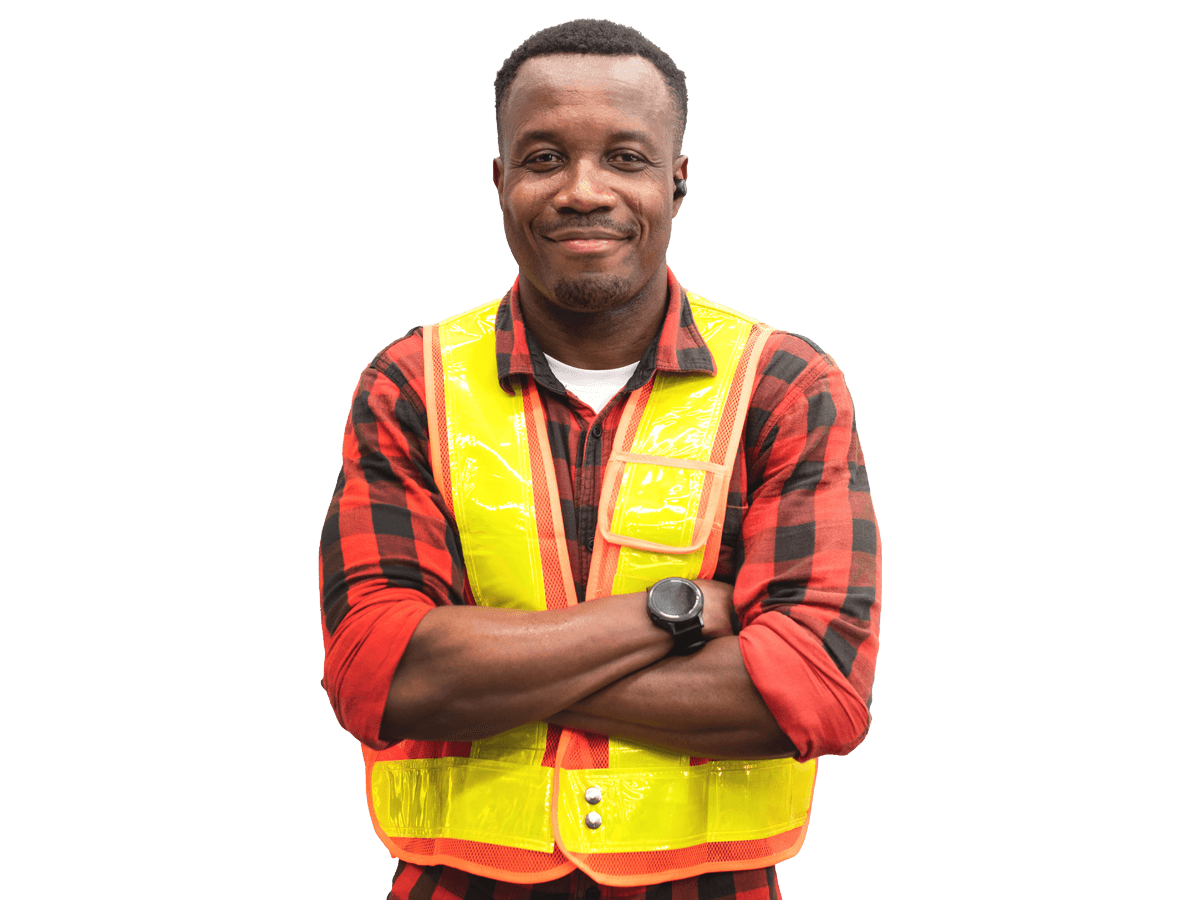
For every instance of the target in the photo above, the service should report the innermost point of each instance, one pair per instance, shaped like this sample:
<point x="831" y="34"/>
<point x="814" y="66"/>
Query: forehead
<point x="582" y="88"/>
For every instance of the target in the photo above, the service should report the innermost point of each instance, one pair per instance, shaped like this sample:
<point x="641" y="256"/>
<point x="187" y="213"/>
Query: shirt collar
<point x="679" y="347"/>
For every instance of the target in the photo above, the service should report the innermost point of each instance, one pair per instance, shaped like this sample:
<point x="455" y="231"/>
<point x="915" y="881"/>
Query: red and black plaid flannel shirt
<point x="800" y="545"/>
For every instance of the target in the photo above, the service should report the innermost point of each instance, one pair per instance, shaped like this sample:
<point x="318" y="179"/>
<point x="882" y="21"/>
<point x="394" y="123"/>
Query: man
<point x="599" y="575"/>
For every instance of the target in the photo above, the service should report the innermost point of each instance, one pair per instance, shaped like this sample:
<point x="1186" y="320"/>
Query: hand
<point x="718" y="608"/>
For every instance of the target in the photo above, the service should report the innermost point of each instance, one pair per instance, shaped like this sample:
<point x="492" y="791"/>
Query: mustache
<point x="601" y="222"/>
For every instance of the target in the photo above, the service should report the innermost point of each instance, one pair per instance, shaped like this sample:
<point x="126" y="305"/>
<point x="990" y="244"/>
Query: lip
<point x="586" y="241"/>
<point x="588" y="245"/>
<point x="584" y="235"/>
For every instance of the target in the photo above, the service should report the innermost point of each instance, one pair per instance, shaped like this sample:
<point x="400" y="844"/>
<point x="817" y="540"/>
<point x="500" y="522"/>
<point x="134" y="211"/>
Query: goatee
<point x="592" y="293"/>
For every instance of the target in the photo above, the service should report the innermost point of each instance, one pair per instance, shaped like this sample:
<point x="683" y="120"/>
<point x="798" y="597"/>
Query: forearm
<point x="703" y="704"/>
<point x="470" y="672"/>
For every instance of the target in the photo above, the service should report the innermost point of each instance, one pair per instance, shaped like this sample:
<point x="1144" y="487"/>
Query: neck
<point x="605" y="339"/>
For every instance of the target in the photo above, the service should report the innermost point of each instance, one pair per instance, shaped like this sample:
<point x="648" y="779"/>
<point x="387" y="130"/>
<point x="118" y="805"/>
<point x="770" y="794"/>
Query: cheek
<point x="657" y="217"/>
<point x="516" y="221"/>
<point x="646" y="210"/>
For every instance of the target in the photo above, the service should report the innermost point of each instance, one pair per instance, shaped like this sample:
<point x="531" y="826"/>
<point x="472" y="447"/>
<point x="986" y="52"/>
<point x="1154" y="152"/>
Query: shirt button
<point x="592" y="893"/>
<point x="596" y="430"/>
<point x="592" y="795"/>
<point x="592" y="820"/>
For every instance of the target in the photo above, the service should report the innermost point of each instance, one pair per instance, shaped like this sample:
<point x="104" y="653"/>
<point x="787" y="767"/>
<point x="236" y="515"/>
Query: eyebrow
<point x="635" y="136"/>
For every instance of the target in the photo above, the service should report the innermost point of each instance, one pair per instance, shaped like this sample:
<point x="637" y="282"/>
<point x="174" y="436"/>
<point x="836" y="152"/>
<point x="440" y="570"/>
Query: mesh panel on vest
<point x="732" y="402"/>
<point x="586" y="751"/>
<point x="556" y="591"/>
<point x="553" y="733"/>
<point x="425" y="750"/>
<point x="609" y="554"/>
<point x="712" y="483"/>
<point x="439" y="399"/>
<point x="712" y="550"/>
<point x="639" y="401"/>
<point x="598" y="748"/>
<point x="507" y="859"/>
<point x="604" y="562"/>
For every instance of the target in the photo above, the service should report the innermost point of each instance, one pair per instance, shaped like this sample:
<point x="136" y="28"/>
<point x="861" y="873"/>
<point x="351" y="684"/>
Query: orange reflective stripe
<point x="605" y="553"/>
<point x="553" y="543"/>
<point x="435" y="403"/>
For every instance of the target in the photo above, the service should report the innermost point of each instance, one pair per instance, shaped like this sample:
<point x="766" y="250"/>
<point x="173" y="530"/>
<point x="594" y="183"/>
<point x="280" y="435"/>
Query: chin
<point x="593" y="293"/>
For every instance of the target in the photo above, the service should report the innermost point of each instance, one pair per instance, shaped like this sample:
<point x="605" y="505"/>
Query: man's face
<point x="586" y="177"/>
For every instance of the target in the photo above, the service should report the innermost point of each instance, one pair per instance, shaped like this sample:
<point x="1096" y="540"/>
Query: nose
<point x="583" y="190"/>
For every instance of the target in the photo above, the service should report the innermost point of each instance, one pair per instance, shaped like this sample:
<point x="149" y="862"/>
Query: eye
<point x="543" y="160"/>
<point x="628" y="159"/>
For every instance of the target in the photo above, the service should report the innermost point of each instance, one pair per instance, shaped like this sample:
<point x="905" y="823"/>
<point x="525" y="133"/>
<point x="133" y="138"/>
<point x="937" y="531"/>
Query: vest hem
<point x="485" y="871"/>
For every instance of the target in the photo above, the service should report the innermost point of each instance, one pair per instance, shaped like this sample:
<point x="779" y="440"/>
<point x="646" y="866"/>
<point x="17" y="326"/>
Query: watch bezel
<point x="696" y="610"/>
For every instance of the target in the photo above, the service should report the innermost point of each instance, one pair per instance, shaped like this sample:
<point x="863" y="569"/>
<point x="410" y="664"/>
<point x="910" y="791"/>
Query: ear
<point x="679" y="172"/>
<point x="498" y="175"/>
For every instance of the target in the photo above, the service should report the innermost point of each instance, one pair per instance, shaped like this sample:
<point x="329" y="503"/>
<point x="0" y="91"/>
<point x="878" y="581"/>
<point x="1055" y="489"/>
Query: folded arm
<point x="470" y="672"/>
<point x="405" y="658"/>
<point x="601" y="666"/>
<point x="703" y="704"/>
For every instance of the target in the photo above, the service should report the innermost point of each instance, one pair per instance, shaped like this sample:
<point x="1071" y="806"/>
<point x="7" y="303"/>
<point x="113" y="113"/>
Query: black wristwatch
<point x="676" y="605"/>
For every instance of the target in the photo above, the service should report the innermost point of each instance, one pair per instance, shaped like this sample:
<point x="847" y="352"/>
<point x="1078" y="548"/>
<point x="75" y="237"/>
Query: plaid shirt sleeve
<point x="388" y="553"/>
<point x="807" y="586"/>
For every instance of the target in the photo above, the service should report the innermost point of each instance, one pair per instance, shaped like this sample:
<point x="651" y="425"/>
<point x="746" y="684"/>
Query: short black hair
<point x="600" y="37"/>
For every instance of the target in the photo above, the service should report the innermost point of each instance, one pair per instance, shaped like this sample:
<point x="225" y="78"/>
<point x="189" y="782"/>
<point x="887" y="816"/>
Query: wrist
<point x="676" y="606"/>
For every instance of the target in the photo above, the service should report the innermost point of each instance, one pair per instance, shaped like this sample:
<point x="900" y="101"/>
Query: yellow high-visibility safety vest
<point x="503" y="811"/>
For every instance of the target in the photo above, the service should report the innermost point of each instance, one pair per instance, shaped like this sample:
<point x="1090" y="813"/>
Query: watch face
<point x="675" y="598"/>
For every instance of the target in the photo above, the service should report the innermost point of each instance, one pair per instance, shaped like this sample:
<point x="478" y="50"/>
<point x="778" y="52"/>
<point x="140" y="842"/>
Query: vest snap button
<point x="592" y="795"/>
<point x="592" y="819"/>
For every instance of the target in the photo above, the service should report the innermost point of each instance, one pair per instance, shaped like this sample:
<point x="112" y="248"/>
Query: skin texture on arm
<point x="472" y="672"/>
<point x="703" y="704"/>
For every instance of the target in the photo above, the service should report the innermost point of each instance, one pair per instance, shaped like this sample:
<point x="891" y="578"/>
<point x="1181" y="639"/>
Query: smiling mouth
<point x="587" y="241"/>
<point x="588" y="244"/>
